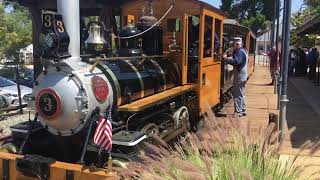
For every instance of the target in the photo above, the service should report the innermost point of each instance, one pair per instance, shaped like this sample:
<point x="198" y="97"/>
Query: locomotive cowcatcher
<point x="155" y="65"/>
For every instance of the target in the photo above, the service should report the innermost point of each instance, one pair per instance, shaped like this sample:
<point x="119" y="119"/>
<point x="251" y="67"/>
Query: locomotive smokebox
<point x="65" y="99"/>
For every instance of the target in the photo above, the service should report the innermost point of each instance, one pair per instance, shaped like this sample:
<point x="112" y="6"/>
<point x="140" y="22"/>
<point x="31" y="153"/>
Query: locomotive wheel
<point x="182" y="118"/>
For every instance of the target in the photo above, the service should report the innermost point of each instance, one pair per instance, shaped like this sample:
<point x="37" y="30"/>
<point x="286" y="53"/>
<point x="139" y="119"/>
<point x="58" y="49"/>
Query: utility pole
<point x="282" y="52"/>
<point x="18" y="87"/>
<point x="285" y="59"/>
<point x="277" y="16"/>
<point x="265" y="48"/>
<point x="278" y="4"/>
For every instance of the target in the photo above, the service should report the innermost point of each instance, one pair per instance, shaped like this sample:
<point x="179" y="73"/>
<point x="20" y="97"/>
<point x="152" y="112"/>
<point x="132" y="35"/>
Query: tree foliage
<point x="255" y="14"/>
<point x="309" y="9"/>
<point x="15" y="30"/>
<point x="313" y="4"/>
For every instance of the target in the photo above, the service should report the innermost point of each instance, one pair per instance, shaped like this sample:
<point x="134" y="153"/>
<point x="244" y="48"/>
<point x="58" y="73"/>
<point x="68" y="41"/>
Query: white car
<point x="3" y="102"/>
<point x="9" y="92"/>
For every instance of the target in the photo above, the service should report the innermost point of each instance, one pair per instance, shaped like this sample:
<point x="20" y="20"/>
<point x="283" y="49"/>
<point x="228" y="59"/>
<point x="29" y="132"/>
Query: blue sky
<point x="295" y="3"/>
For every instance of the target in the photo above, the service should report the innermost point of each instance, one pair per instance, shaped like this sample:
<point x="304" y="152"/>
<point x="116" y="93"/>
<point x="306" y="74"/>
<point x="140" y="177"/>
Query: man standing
<point x="313" y="57"/>
<point x="239" y="61"/>
<point x="274" y="63"/>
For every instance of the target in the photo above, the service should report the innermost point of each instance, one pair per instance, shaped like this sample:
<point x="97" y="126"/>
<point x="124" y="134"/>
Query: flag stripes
<point x="103" y="134"/>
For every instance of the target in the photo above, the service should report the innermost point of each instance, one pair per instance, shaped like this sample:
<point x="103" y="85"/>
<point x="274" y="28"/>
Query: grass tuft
<point x="223" y="150"/>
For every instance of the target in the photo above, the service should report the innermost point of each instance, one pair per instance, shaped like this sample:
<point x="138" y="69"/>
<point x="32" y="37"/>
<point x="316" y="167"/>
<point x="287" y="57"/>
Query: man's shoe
<point x="236" y="114"/>
<point x="270" y="84"/>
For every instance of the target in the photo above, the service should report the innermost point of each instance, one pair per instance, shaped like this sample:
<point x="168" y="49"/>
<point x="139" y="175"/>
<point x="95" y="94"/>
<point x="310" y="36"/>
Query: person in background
<point x="301" y="65"/>
<point x="274" y="56"/>
<point x="239" y="61"/>
<point x="292" y="61"/>
<point x="313" y="57"/>
<point x="208" y="38"/>
<point x="216" y="44"/>
<point x="306" y="51"/>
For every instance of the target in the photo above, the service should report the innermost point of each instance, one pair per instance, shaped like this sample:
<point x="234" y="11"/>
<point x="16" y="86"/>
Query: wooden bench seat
<point x="147" y="102"/>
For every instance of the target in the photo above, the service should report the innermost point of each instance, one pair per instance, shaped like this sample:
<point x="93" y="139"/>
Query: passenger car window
<point x="207" y="52"/>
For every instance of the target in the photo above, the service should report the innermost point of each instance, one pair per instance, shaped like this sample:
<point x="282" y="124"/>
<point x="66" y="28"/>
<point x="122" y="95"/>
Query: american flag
<point x="103" y="134"/>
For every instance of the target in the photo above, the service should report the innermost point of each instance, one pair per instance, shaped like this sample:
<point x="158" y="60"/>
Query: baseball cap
<point x="237" y="40"/>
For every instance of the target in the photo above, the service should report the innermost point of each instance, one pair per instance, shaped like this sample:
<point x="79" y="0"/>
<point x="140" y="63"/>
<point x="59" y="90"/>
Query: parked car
<point x="9" y="91"/>
<point x="26" y="75"/>
<point x="3" y="102"/>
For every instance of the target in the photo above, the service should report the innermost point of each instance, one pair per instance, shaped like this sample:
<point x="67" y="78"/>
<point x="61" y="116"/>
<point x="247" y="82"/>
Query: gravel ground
<point x="12" y="118"/>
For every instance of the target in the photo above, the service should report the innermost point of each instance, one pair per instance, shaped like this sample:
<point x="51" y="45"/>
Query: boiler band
<point x="138" y="78"/>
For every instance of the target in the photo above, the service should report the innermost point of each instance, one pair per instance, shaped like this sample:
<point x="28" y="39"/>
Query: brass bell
<point x="96" y="42"/>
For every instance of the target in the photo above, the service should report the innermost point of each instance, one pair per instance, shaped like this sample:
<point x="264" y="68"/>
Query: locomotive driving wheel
<point x="181" y="118"/>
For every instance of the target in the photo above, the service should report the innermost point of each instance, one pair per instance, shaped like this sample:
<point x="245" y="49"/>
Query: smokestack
<point x="70" y="11"/>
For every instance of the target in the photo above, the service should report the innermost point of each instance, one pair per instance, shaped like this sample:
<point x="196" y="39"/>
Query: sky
<point x="295" y="3"/>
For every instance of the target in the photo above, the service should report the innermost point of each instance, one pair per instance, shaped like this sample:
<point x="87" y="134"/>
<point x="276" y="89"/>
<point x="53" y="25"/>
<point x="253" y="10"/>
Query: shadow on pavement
<point x="302" y="116"/>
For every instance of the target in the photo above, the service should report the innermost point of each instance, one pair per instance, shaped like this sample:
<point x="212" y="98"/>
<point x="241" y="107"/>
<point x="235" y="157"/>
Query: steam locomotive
<point x="156" y="78"/>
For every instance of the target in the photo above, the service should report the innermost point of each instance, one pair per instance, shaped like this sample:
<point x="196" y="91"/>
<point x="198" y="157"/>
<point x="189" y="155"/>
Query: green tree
<point x="256" y="23"/>
<point x="310" y="9"/>
<point x="15" y="30"/>
<point x="255" y="14"/>
<point x="313" y="4"/>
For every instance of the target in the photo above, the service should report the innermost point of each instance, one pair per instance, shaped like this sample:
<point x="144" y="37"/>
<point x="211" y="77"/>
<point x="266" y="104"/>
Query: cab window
<point x="207" y="52"/>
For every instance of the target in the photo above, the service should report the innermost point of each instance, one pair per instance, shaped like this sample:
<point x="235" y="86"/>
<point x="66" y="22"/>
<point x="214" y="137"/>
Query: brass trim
<point x="162" y="73"/>
<point x="139" y="76"/>
<point x="116" y="82"/>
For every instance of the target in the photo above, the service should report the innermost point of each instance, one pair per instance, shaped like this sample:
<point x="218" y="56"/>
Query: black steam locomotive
<point x="153" y="86"/>
<point x="73" y="89"/>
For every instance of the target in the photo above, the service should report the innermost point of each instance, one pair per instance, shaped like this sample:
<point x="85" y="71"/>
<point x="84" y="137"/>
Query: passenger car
<point x="9" y="93"/>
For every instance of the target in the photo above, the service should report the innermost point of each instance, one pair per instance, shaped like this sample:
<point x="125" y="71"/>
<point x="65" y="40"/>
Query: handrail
<point x="128" y="37"/>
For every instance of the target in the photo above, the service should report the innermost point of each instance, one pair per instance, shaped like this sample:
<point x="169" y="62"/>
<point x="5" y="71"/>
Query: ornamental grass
<point x="221" y="150"/>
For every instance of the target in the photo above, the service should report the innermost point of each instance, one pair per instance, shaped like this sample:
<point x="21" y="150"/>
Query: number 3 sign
<point x="48" y="103"/>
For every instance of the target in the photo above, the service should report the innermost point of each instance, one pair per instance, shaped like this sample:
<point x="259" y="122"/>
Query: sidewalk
<point x="303" y="113"/>
<point x="260" y="101"/>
